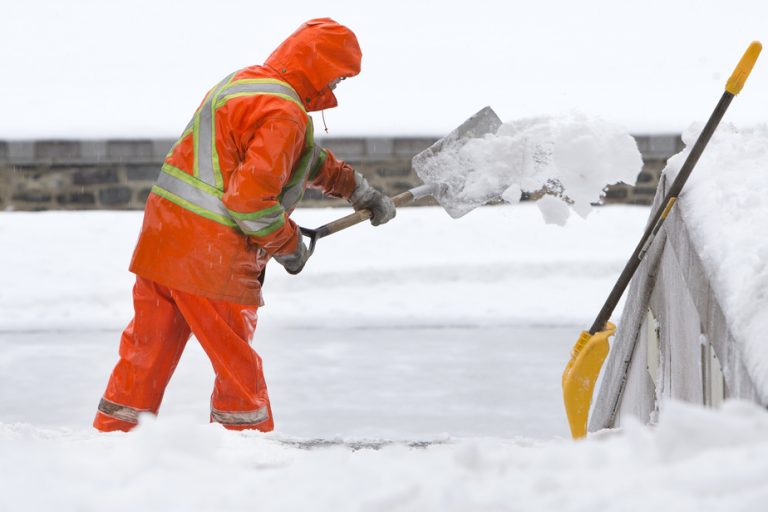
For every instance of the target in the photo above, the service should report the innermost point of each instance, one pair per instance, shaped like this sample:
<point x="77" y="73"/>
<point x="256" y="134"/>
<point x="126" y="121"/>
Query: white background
<point x="138" y="68"/>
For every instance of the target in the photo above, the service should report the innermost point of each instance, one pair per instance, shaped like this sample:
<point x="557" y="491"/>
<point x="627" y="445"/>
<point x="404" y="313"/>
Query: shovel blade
<point x="580" y="376"/>
<point x="449" y="183"/>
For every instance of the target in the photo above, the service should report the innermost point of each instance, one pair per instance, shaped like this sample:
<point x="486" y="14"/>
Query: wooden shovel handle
<point x="356" y="218"/>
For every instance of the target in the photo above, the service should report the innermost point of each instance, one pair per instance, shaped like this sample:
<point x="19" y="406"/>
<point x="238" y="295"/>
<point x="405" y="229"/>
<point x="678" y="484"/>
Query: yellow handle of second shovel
<point x="743" y="68"/>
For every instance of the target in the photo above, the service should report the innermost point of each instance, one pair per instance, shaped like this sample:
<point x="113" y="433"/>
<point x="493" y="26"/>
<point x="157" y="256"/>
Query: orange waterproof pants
<point x="152" y="344"/>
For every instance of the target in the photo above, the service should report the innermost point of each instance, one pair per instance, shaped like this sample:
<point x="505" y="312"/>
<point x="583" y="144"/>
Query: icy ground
<point x="425" y="356"/>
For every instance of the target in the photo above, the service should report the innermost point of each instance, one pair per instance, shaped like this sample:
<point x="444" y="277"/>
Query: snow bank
<point x="725" y="206"/>
<point x="694" y="459"/>
<point x="573" y="157"/>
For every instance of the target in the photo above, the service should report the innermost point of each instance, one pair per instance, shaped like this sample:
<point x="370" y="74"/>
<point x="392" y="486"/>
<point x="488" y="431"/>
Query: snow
<point x="138" y="68"/>
<point x="413" y="366"/>
<point x="725" y="208"/>
<point x="573" y="157"/>
<point x="486" y="256"/>
<point x="695" y="460"/>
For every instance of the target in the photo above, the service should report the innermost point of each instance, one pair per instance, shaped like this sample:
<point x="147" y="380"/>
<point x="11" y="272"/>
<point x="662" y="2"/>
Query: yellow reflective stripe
<point x="184" y="134"/>
<point x="256" y="215"/>
<point x="255" y="229"/>
<point x="206" y="158"/>
<point x="180" y="201"/>
<point x="223" y="100"/>
<point x="262" y="222"/>
<point x="192" y="194"/>
<point x="202" y="192"/>
<point x="264" y="85"/>
<point x="261" y="81"/>
<point x="319" y="162"/>
<point x="183" y="176"/>
<point x="196" y="129"/>
<point x="219" y="181"/>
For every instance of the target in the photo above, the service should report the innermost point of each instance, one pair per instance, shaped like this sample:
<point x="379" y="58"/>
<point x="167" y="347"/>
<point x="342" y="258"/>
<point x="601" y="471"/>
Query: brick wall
<point x="117" y="174"/>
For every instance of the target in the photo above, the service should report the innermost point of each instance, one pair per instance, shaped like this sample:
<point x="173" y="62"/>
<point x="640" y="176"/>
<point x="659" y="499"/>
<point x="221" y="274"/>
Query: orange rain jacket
<point x="259" y="139"/>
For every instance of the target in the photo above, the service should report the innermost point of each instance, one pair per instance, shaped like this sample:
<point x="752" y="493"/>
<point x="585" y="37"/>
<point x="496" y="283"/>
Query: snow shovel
<point x="590" y="350"/>
<point x="445" y="191"/>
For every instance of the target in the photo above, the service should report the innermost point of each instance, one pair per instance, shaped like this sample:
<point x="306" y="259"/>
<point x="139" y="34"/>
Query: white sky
<point x="94" y="68"/>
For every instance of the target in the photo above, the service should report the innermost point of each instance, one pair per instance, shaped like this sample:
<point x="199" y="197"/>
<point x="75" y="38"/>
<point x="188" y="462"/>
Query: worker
<point x="219" y="211"/>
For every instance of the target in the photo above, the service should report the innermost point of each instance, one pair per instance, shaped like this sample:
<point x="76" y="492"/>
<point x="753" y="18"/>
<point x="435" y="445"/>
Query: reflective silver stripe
<point x="260" y="224"/>
<point x="201" y="193"/>
<point x="120" y="412"/>
<point x="240" y="417"/>
<point x="205" y="134"/>
<point x="191" y="193"/>
<point x="293" y="194"/>
<point x="207" y="167"/>
<point x="267" y="88"/>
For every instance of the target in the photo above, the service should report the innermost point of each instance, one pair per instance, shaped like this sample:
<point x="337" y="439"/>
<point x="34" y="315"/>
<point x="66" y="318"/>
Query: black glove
<point x="295" y="261"/>
<point x="365" y="197"/>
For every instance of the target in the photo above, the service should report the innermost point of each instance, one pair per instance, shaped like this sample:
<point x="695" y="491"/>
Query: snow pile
<point x="725" y="205"/>
<point x="695" y="459"/>
<point x="572" y="157"/>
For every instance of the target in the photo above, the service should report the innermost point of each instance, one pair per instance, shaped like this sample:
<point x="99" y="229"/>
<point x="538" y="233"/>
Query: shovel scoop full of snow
<point x="447" y="178"/>
<point x="443" y="182"/>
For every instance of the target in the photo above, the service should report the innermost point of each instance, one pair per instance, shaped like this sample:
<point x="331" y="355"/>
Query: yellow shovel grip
<point x="743" y="68"/>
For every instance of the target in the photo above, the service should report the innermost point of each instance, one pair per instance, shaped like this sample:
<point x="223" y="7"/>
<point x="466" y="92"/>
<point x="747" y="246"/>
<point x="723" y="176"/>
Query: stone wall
<point x="117" y="174"/>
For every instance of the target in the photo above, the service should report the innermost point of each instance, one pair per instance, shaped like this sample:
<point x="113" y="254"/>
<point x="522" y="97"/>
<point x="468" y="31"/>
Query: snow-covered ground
<point x="413" y="366"/>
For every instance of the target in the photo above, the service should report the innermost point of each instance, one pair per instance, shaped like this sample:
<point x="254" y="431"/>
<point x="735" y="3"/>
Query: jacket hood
<point x="320" y="51"/>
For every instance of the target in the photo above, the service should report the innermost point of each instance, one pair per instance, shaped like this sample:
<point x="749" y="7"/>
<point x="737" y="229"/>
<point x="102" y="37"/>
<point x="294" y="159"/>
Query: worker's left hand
<point x="295" y="261"/>
<point x="365" y="197"/>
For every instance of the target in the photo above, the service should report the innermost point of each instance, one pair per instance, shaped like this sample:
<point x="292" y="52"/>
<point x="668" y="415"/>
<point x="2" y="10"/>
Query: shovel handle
<point x="402" y="199"/>
<point x="732" y="88"/>
<point x="358" y="217"/>
<point x="350" y="220"/>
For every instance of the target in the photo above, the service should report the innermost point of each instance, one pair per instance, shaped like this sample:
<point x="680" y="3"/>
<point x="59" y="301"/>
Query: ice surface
<point x="725" y="206"/>
<point x="572" y="156"/>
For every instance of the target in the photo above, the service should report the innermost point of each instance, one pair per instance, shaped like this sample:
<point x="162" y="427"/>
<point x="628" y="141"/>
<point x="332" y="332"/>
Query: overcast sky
<point x="138" y="68"/>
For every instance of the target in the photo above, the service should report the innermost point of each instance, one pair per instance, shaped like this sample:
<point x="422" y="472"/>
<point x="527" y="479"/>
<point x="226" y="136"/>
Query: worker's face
<point x="335" y="82"/>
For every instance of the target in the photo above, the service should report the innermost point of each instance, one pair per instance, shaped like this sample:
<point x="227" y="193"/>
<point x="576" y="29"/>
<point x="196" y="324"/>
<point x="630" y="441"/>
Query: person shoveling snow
<point x="217" y="214"/>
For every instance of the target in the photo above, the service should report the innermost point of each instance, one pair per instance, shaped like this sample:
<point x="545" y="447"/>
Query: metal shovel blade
<point x="448" y="182"/>
<point x="445" y="189"/>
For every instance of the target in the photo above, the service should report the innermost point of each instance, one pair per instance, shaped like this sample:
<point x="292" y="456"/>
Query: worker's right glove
<point x="295" y="261"/>
<point x="365" y="197"/>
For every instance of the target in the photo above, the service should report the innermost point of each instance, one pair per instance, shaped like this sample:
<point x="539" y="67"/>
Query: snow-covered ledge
<point x="686" y="331"/>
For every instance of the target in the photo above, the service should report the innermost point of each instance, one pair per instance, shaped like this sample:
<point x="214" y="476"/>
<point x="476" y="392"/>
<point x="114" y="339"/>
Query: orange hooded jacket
<point x="259" y="139"/>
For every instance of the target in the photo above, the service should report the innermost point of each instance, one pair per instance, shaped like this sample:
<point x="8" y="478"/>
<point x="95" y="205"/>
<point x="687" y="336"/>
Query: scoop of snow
<point x="572" y="157"/>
